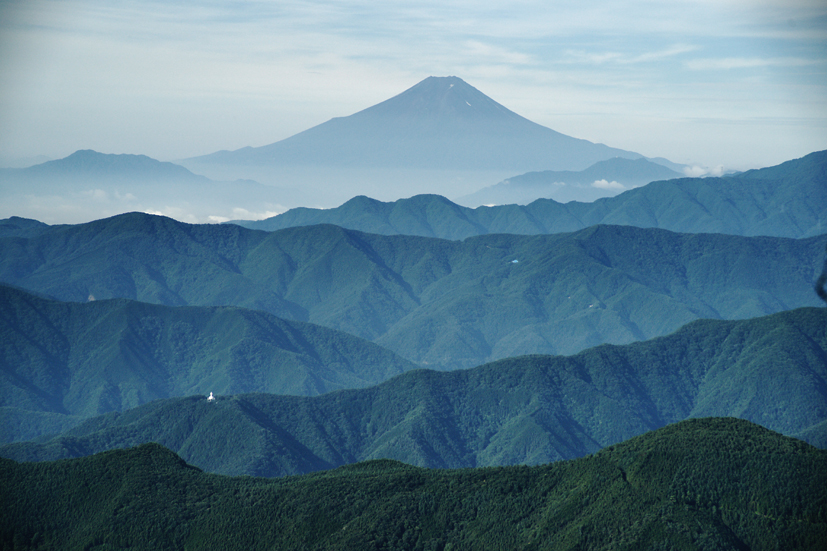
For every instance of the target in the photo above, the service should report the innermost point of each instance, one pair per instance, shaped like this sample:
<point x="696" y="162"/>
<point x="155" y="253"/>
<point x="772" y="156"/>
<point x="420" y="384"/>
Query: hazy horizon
<point x="735" y="84"/>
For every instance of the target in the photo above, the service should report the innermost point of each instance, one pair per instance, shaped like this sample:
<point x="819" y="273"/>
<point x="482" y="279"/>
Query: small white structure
<point x="210" y="398"/>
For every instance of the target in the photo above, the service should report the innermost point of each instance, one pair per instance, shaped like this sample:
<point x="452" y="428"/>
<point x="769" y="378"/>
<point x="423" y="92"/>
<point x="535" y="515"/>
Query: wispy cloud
<point x="659" y="55"/>
<point x="496" y="54"/>
<point x="728" y="63"/>
<point x="579" y="56"/>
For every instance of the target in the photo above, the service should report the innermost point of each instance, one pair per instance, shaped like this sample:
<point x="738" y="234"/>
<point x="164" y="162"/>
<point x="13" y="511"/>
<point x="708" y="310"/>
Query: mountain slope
<point x="20" y="227"/>
<point x="441" y="303"/>
<point x="788" y="200"/>
<point x="701" y="484"/>
<point x="531" y="409"/>
<point x="77" y="360"/>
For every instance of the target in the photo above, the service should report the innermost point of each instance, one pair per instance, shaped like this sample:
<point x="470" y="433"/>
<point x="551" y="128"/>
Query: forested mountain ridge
<point x="787" y="200"/>
<point x="77" y="360"/>
<point x="21" y="227"/>
<point x="531" y="409"/>
<point x="699" y="484"/>
<point x="441" y="303"/>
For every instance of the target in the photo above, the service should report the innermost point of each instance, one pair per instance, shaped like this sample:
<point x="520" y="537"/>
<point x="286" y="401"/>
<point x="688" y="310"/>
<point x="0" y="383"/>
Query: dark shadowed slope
<point x="61" y="362"/>
<point x="442" y="303"/>
<point x="788" y="200"/>
<point x="531" y="409"/>
<point x="719" y="484"/>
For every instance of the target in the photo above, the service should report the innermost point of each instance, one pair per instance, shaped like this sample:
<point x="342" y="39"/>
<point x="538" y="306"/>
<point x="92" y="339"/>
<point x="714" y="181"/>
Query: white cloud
<point x="702" y="171"/>
<point x="244" y="214"/>
<point x="604" y="184"/>
<point x="176" y="213"/>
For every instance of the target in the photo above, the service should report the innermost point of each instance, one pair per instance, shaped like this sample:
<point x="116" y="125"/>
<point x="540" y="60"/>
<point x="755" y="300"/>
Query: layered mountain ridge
<point x="523" y="410"/>
<point x="439" y="303"/>
<point x="788" y="200"/>
<point x="61" y="362"/>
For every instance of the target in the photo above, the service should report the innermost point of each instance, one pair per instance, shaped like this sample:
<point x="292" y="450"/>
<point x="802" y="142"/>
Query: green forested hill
<point x="788" y="200"/>
<point x="439" y="303"/>
<point x="704" y="484"/>
<point x="531" y="409"/>
<point x="75" y="360"/>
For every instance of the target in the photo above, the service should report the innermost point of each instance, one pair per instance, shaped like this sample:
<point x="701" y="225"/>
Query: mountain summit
<point x="441" y="99"/>
<point x="441" y="123"/>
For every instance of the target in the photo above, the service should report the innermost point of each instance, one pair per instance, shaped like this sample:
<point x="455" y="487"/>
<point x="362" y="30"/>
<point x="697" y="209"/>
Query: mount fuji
<point x="441" y="135"/>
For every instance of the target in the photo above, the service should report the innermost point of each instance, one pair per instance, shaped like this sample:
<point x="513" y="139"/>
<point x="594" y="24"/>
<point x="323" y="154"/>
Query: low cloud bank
<point x="702" y="171"/>
<point x="605" y="184"/>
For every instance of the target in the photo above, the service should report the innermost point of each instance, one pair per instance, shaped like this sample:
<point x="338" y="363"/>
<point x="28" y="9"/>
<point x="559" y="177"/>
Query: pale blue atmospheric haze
<point x="726" y="83"/>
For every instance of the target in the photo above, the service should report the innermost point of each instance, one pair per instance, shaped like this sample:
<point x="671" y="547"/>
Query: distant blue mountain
<point x="86" y="163"/>
<point x="602" y="179"/>
<point x="88" y="185"/>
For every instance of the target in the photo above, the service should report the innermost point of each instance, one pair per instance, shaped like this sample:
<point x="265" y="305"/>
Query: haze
<point x="731" y="84"/>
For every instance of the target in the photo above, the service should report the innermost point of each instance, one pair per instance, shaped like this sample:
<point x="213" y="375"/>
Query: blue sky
<point x="729" y="83"/>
